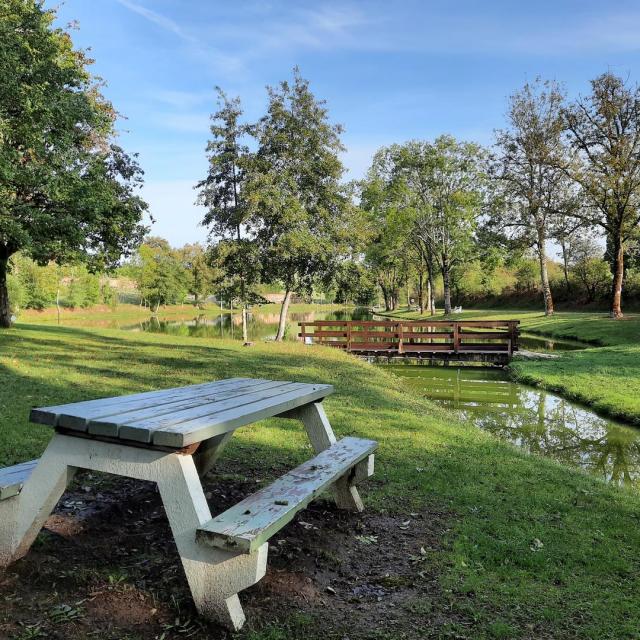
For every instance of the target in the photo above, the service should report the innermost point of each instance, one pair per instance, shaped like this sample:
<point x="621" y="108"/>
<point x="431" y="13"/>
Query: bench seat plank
<point x="13" y="478"/>
<point x="247" y="525"/>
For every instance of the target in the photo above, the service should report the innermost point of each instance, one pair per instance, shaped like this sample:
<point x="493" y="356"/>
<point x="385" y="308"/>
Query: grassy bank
<point x="605" y="376"/>
<point x="495" y="544"/>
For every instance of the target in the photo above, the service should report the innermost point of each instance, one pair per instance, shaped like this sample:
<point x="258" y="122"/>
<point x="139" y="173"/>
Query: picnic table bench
<point x="173" y="437"/>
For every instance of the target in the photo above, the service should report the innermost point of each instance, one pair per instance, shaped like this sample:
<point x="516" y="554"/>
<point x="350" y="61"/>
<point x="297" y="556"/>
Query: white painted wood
<point x="13" y="478"/>
<point x="249" y="524"/>
<point x="199" y="429"/>
<point x="76" y="414"/>
<point x="321" y="435"/>
<point x="109" y="425"/>
<point x="202" y="415"/>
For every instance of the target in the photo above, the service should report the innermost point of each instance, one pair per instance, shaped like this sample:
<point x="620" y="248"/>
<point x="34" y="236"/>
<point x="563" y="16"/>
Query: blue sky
<point x="389" y="70"/>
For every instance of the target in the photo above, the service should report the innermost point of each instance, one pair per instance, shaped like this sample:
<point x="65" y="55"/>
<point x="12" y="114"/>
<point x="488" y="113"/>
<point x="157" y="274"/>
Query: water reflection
<point x="532" y="342"/>
<point x="261" y="325"/>
<point x="538" y="421"/>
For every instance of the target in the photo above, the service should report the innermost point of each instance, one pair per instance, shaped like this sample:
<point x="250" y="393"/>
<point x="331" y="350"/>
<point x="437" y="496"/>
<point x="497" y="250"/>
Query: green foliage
<point x="604" y="131"/>
<point x="299" y="212"/>
<point x="526" y="274"/>
<point x="66" y="192"/>
<point x="39" y="283"/>
<point x="17" y="293"/>
<point x="354" y="284"/>
<point x="162" y="277"/>
<point x="199" y="276"/>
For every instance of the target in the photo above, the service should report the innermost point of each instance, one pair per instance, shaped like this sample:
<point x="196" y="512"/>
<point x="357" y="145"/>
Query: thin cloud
<point x="159" y="20"/>
<point x="222" y="61"/>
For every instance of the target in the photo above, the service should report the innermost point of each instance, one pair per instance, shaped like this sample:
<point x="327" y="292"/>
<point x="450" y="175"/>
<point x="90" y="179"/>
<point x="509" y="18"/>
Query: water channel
<point x="539" y="422"/>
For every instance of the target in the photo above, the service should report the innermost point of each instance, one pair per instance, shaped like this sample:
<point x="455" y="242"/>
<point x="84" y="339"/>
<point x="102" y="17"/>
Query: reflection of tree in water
<point x="547" y="424"/>
<point x="261" y="325"/>
<point x="535" y="420"/>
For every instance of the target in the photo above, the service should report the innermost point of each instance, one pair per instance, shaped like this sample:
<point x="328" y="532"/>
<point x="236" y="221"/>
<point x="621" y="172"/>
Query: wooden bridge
<point x="458" y="340"/>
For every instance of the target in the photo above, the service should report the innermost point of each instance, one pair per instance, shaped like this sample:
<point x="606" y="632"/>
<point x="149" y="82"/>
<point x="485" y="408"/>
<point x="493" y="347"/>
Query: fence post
<point x="348" y="335"/>
<point x="456" y="337"/>
<point x="399" y="337"/>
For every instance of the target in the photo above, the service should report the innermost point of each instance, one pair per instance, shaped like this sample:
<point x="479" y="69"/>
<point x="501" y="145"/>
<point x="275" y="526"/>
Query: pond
<point x="536" y="420"/>
<point x="261" y="325"/>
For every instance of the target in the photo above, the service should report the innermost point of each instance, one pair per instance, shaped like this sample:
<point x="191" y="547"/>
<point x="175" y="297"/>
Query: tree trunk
<point x="5" y="311"/>
<point x="544" y="276"/>
<point x="565" y="263"/>
<point x="431" y="286"/>
<point x="421" y="292"/>
<point x="283" y="316"/>
<point x="618" y="276"/>
<point x="446" y="281"/>
<point x="245" y="332"/>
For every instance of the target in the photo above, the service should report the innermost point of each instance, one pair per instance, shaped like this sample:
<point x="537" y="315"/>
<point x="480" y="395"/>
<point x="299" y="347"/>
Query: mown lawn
<point x="527" y="548"/>
<point x="605" y="376"/>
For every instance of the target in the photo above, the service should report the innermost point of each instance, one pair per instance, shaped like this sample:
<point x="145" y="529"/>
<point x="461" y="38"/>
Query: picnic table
<point x="173" y="437"/>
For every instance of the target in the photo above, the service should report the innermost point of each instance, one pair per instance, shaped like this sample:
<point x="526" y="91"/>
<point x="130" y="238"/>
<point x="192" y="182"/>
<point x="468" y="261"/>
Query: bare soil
<point x="106" y="567"/>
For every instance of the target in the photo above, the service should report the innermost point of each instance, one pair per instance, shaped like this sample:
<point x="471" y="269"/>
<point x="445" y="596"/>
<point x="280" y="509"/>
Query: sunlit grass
<point x="496" y="501"/>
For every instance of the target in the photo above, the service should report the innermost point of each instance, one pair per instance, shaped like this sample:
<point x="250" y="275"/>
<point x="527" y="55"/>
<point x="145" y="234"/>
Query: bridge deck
<point x="480" y="340"/>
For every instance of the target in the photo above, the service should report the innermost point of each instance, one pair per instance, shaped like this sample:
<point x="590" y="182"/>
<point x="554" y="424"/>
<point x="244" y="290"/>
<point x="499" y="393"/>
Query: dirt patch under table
<point x="106" y="567"/>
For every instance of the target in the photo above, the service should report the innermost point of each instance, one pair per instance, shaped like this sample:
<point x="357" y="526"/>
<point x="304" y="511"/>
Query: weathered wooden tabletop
<point x="185" y="415"/>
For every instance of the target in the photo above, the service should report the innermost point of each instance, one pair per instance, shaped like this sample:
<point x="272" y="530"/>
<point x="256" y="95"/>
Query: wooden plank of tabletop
<point x="109" y="425"/>
<point x="198" y="429"/>
<point x="141" y="430"/>
<point x="88" y="408"/>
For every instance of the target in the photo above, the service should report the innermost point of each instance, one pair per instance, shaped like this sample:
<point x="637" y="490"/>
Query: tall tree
<point x="529" y="170"/>
<point x="300" y="212"/>
<point x="66" y="192"/>
<point x="389" y="212"/>
<point x="446" y="180"/>
<point x="604" y="130"/>
<point x="200" y="276"/>
<point x="222" y="192"/>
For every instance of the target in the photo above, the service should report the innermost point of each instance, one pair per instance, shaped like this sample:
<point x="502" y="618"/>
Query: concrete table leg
<point x="215" y="576"/>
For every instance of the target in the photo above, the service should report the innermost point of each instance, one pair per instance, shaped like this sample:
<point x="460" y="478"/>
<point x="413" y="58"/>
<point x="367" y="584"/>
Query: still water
<point x="536" y="420"/>
<point x="261" y="325"/>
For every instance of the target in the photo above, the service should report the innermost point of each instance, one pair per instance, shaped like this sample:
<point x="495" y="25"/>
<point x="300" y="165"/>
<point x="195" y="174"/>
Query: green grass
<point x="581" y="582"/>
<point x="605" y="376"/>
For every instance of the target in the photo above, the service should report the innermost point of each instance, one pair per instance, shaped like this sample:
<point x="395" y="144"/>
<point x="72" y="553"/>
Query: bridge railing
<point x="407" y="337"/>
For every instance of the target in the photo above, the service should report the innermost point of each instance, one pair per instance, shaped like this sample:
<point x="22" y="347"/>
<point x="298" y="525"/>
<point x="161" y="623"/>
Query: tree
<point x="587" y="265"/>
<point x="354" y="284"/>
<point x="200" y="276"/>
<point x="446" y="180"/>
<point x="233" y="264"/>
<point x="529" y="170"/>
<point x="66" y="192"/>
<point x="162" y="278"/>
<point x="300" y="214"/>
<point x="222" y="192"/>
<point x="384" y="200"/>
<point x="604" y="131"/>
